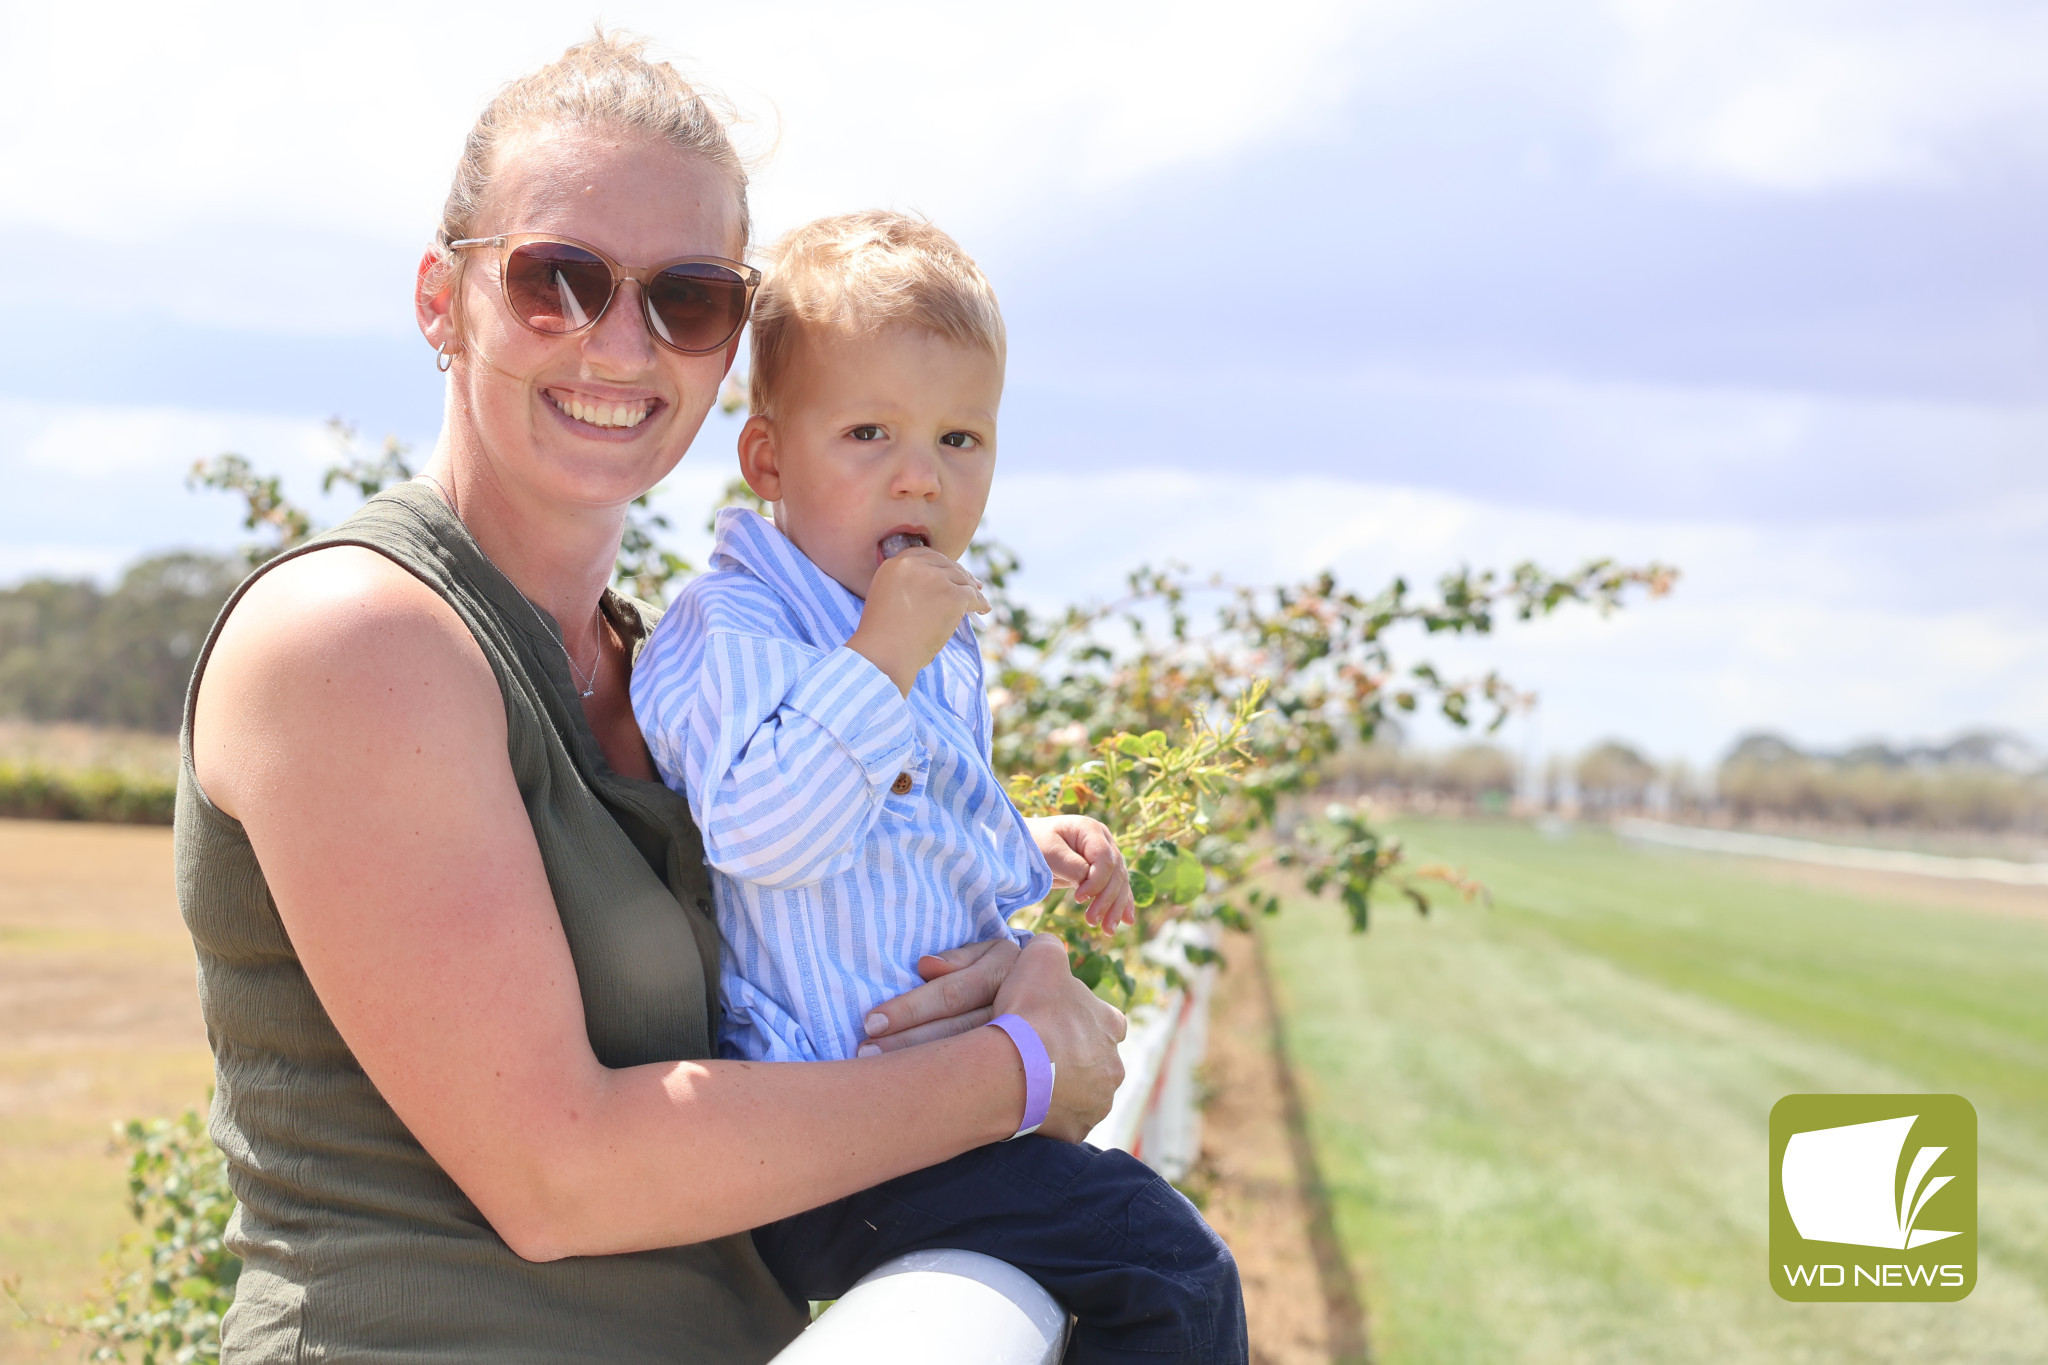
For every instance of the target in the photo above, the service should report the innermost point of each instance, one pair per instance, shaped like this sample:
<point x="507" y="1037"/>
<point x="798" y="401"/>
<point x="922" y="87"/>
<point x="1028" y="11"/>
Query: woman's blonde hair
<point x="607" y="82"/>
<point x="859" y="272"/>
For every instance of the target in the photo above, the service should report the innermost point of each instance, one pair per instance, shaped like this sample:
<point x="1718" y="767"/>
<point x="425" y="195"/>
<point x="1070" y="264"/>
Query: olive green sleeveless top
<point x="355" y="1245"/>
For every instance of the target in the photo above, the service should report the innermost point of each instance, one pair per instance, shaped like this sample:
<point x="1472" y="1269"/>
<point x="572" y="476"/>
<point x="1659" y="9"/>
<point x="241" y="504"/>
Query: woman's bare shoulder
<point x="342" y="642"/>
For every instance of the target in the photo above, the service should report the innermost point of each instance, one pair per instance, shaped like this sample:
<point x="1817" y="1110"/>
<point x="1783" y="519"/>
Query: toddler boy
<point x="818" y="698"/>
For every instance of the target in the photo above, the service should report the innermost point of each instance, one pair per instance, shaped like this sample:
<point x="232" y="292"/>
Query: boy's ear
<point x="760" y="464"/>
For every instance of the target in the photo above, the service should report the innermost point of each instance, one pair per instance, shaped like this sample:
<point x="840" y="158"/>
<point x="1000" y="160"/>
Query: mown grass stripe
<point x="1543" y="1125"/>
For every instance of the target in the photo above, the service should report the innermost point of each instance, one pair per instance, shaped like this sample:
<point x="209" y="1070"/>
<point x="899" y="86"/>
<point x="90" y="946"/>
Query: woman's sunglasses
<point x="558" y="287"/>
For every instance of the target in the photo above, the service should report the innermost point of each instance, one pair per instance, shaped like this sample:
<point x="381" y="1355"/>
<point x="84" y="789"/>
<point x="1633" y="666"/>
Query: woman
<point x="454" y="945"/>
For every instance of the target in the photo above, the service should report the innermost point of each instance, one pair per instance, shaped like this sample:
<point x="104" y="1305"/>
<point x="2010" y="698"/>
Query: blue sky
<point x="1752" y="288"/>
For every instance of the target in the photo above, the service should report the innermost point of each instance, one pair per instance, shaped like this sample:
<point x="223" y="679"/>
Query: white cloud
<point x="200" y="114"/>
<point x="1766" y="630"/>
<point x="302" y="155"/>
<point x="63" y="559"/>
<point x="274" y="168"/>
<point x="317" y="141"/>
<point x="99" y="444"/>
<point x="92" y="487"/>
<point x="1807" y="95"/>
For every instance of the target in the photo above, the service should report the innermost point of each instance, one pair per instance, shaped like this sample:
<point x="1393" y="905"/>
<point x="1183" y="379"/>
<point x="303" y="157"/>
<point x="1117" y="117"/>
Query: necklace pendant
<point x="590" y="691"/>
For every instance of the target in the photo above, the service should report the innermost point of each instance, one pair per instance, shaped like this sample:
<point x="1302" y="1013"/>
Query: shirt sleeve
<point x="785" y="754"/>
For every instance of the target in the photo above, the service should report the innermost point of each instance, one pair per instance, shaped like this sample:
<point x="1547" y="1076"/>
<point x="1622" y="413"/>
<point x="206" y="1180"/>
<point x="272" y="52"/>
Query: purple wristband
<point x="1038" y="1071"/>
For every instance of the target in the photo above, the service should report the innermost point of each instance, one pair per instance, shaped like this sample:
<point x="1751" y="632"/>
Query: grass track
<point x="1543" y="1125"/>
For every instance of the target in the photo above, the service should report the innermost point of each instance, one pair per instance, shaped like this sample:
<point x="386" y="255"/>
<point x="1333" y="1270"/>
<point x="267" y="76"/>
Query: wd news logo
<point x="1873" y="1198"/>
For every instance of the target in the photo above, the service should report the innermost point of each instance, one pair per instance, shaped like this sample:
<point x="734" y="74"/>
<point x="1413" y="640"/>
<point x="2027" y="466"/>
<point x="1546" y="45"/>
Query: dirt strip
<point x="1261" y="1187"/>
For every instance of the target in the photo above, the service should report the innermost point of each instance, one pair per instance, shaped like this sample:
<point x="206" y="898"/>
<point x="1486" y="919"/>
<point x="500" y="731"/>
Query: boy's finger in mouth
<point x="896" y="542"/>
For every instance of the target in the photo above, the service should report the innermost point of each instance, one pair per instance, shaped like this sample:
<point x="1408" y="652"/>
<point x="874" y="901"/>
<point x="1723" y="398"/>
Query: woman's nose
<point x="620" y="343"/>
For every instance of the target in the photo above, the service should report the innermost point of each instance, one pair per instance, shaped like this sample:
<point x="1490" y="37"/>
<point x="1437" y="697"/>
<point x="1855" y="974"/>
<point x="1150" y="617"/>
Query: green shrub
<point x="33" y="792"/>
<point x="177" y="1277"/>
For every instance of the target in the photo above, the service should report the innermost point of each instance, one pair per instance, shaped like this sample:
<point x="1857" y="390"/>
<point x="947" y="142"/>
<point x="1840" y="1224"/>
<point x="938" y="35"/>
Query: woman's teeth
<point x="606" y="414"/>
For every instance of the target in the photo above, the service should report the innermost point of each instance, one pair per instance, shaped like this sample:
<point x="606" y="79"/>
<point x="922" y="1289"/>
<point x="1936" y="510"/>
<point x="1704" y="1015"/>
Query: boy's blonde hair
<point x="858" y="273"/>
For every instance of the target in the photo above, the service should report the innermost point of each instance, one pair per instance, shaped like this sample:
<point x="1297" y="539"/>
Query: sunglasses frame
<point x="506" y="244"/>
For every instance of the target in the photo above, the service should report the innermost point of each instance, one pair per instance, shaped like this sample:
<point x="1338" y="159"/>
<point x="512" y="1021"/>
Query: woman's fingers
<point x="1080" y="1032"/>
<point x="928" y="1033"/>
<point x="1115" y="1021"/>
<point x="934" y="965"/>
<point x="965" y="988"/>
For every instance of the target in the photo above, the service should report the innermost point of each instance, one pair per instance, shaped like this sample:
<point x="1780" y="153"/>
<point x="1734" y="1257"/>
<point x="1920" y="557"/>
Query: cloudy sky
<point x="1754" y="288"/>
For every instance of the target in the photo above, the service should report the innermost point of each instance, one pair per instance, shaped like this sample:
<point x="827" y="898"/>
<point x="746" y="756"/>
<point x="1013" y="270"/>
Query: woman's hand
<point x="966" y="987"/>
<point x="959" y="994"/>
<point x="1079" y="1030"/>
<point x="1083" y="855"/>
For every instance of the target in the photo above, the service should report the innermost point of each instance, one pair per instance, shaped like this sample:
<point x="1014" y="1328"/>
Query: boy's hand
<point x="1082" y="855"/>
<point x="914" y="605"/>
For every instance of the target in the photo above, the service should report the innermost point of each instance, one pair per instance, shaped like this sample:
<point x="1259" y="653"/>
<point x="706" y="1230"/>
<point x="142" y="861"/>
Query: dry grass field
<point x="72" y="748"/>
<point x="98" y="1022"/>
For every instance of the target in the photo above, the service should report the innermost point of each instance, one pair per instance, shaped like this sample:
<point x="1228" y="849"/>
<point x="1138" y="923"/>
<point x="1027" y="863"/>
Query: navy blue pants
<point x="1113" y="1242"/>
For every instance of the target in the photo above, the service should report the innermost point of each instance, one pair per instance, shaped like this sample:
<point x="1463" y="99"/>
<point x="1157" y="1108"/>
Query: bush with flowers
<point x="1192" y="718"/>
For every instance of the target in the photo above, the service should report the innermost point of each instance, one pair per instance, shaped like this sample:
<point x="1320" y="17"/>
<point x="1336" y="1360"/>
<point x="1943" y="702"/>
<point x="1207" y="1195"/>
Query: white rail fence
<point x="963" y="1308"/>
<point x="1832" y="855"/>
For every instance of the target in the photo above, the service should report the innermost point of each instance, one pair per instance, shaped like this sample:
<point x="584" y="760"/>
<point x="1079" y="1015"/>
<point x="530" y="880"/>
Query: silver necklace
<point x="585" y="687"/>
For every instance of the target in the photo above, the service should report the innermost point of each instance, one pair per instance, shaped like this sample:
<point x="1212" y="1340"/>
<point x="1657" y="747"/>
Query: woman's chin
<point x="592" y="475"/>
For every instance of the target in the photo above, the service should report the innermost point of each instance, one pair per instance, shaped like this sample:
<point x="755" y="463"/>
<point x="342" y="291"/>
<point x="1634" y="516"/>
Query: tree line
<point x="71" y="650"/>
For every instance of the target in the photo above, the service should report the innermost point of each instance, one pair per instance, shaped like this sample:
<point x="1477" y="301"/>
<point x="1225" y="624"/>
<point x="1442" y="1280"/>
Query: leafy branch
<point x="170" y="1301"/>
<point x="646" y="566"/>
<point x="1189" y="742"/>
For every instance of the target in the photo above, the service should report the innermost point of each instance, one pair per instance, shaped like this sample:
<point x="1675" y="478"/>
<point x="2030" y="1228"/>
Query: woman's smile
<point x="597" y="412"/>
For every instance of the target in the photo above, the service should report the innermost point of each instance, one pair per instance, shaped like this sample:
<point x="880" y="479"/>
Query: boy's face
<point x="892" y="433"/>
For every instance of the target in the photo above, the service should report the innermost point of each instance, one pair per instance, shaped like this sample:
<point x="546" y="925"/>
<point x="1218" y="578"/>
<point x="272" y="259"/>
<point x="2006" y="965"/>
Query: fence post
<point x="963" y="1308"/>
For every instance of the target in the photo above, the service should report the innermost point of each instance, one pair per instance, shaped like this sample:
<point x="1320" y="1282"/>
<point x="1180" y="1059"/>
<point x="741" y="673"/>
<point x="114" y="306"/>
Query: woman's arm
<point x="350" y="722"/>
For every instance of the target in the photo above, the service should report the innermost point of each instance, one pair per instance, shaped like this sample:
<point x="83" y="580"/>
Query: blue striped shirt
<point x="829" y="883"/>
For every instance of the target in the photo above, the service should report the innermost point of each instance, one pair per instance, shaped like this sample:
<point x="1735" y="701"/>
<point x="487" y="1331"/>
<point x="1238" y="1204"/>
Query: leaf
<point x="1090" y="970"/>
<point x="1142" y="889"/>
<point x="1151" y="744"/>
<point x="1190" y="878"/>
<point x="1154" y="863"/>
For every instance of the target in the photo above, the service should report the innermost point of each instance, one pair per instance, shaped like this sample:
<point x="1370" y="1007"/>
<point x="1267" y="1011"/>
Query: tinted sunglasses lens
<point x="555" y="287"/>
<point x="697" y="307"/>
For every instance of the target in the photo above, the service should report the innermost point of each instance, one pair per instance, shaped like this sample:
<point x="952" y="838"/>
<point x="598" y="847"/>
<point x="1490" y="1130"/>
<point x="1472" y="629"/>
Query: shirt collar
<point x="750" y="543"/>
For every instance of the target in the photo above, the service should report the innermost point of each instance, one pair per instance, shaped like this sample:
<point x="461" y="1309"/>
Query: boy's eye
<point x="867" y="433"/>
<point x="960" y="440"/>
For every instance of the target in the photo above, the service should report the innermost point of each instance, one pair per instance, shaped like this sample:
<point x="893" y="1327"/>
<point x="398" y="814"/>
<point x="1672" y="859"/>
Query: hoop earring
<point x="443" y="358"/>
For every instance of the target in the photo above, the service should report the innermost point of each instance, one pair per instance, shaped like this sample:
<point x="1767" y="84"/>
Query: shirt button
<point x="902" y="785"/>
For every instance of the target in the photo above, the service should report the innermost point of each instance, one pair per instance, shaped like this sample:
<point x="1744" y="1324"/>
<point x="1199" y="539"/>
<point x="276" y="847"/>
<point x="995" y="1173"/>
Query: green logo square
<point x="1873" y="1198"/>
